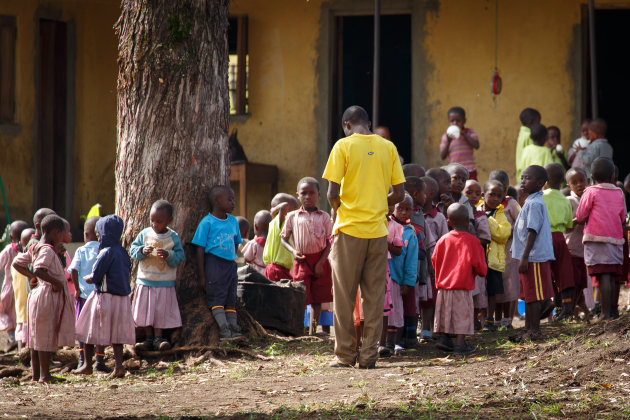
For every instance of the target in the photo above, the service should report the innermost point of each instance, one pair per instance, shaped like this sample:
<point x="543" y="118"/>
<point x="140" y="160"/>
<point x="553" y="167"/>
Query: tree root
<point x="225" y="351"/>
<point x="11" y="371"/>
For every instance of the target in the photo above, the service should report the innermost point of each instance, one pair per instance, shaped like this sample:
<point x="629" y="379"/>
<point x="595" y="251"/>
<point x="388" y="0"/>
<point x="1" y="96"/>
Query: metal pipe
<point x="593" y="58"/>
<point x="377" y="62"/>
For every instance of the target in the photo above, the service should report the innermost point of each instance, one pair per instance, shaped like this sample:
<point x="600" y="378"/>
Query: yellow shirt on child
<point x="559" y="210"/>
<point x="522" y="142"/>
<point x="365" y="166"/>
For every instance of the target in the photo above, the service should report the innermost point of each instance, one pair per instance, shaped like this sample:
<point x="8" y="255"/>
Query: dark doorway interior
<point x="613" y="85"/>
<point x="352" y="80"/>
<point x="52" y="112"/>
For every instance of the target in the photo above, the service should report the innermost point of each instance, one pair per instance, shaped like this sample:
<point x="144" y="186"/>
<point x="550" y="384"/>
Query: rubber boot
<point x="230" y="315"/>
<point x="391" y="338"/>
<point x="81" y="356"/>
<point x="411" y="329"/>
<point x="221" y="320"/>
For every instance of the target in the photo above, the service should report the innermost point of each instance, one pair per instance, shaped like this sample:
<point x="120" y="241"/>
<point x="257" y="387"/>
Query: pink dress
<point x="106" y="319"/>
<point x="394" y="236"/>
<point x="50" y="314"/>
<point x="7" y="299"/>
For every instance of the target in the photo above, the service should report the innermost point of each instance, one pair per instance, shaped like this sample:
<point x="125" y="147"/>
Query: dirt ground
<point x="581" y="370"/>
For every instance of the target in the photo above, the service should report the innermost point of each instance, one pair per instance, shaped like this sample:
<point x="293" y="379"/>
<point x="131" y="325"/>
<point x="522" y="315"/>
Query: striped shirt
<point x="460" y="151"/>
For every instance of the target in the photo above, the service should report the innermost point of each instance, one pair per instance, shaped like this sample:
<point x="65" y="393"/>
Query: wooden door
<point x="50" y="156"/>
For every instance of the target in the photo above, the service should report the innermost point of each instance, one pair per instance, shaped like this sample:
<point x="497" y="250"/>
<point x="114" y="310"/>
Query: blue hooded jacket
<point x="111" y="270"/>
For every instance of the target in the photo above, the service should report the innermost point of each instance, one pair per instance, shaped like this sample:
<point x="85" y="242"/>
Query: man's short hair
<point x="355" y="115"/>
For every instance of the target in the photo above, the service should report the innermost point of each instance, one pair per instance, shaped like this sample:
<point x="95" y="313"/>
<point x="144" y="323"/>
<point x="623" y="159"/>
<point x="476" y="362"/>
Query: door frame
<point x="326" y="46"/>
<point x="55" y="14"/>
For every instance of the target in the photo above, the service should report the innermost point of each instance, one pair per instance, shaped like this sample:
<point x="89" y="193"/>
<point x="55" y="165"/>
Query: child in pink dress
<point x="253" y="250"/>
<point x="158" y="251"/>
<point x="603" y="210"/>
<point x="106" y="317"/>
<point x="50" y="308"/>
<point x="7" y="299"/>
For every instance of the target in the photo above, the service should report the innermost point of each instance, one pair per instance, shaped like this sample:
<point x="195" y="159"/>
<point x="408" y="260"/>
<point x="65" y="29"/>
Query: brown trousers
<point x="358" y="262"/>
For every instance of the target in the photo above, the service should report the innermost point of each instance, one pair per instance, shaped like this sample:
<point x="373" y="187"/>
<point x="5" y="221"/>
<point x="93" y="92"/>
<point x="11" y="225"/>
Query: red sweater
<point x="457" y="258"/>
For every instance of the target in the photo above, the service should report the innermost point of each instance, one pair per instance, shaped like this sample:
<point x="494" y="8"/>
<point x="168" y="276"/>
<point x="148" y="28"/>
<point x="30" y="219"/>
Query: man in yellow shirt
<point x="360" y="170"/>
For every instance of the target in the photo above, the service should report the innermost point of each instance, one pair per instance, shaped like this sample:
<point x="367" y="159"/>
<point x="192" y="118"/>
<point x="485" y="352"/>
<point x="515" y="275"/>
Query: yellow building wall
<point x="281" y="127"/>
<point x="95" y="104"/>
<point x="535" y="39"/>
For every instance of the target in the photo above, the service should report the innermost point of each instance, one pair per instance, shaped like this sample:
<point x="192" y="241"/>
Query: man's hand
<point x="298" y="256"/>
<point x="33" y="282"/>
<point x="404" y="289"/>
<point x="77" y="295"/>
<point x="147" y="250"/>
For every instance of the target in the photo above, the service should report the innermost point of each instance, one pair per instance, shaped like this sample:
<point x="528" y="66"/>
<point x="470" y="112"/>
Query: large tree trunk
<point x="173" y="115"/>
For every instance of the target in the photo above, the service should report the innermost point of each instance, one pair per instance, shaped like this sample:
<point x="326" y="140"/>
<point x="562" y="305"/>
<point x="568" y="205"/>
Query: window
<point x="7" y="69"/>
<point x="238" y="69"/>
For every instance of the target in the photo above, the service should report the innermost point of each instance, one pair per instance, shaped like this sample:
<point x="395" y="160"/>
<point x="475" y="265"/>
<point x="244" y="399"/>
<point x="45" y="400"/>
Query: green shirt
<point x="522" y="142"/>
<point x="534" y="155"/>
<point x="274" y="252"/>
<point x="559" y="210"/>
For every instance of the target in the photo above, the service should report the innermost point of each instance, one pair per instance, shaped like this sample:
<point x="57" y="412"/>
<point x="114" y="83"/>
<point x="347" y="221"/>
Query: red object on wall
<point x="496" y="84"/>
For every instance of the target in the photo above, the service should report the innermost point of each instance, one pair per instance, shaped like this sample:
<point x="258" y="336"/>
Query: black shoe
<point x="100" y="367"/>
<point x="444" y="343"/>
<point x="597" y="308"/>
<point x="546" y="307"/>
<point x="384" y="351"/>
<point x="161" y="344"/>
<point x="564" y="315"/>
<point x="146" y="345"/>
<point x="614" y="313"/>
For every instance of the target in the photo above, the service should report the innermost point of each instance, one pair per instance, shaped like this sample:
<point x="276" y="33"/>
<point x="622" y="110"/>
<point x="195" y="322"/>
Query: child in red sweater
<point x="457" y="258"/>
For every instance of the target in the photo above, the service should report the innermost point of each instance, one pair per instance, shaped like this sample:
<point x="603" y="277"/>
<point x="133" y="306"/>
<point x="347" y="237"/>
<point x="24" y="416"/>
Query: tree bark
<point x="173" y="115"/>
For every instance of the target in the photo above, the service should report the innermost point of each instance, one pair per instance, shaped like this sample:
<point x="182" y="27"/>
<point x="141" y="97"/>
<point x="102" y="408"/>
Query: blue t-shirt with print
<point x="218" y="236"/>
<point x="83" y="261"/>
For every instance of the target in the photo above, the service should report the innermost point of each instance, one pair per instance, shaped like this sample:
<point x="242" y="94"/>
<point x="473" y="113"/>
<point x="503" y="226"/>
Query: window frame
<point x="8" y="40"/>
<point x="241" y="106"/>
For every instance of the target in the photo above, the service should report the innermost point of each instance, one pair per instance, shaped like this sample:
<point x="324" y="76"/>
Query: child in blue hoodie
<point x="106" y="317"/>
<point x="403" y="270"/>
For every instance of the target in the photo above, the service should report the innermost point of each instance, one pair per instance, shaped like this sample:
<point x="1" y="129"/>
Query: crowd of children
<point x="460" y="255"/>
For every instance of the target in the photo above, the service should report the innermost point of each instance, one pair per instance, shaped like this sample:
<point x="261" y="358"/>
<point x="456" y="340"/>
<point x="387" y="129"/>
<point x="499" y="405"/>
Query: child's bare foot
<point x="117" y="373"/>
<point x="83" y="370"/>
<point x="50" y="380"/>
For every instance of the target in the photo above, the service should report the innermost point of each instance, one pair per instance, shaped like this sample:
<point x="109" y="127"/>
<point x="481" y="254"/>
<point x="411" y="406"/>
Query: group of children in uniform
<point x="459" y="252"/>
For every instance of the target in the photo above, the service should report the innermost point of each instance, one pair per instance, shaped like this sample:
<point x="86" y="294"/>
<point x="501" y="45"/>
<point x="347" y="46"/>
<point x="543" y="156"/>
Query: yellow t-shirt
<point x="20" y="291"/>
<point x="274" y="251"/>
<point x="365" y="166"/>
<point x="522" y="142"/>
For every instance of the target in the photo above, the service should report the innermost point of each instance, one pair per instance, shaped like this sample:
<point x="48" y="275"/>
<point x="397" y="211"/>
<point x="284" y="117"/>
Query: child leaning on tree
<point x="217" y="238"/>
